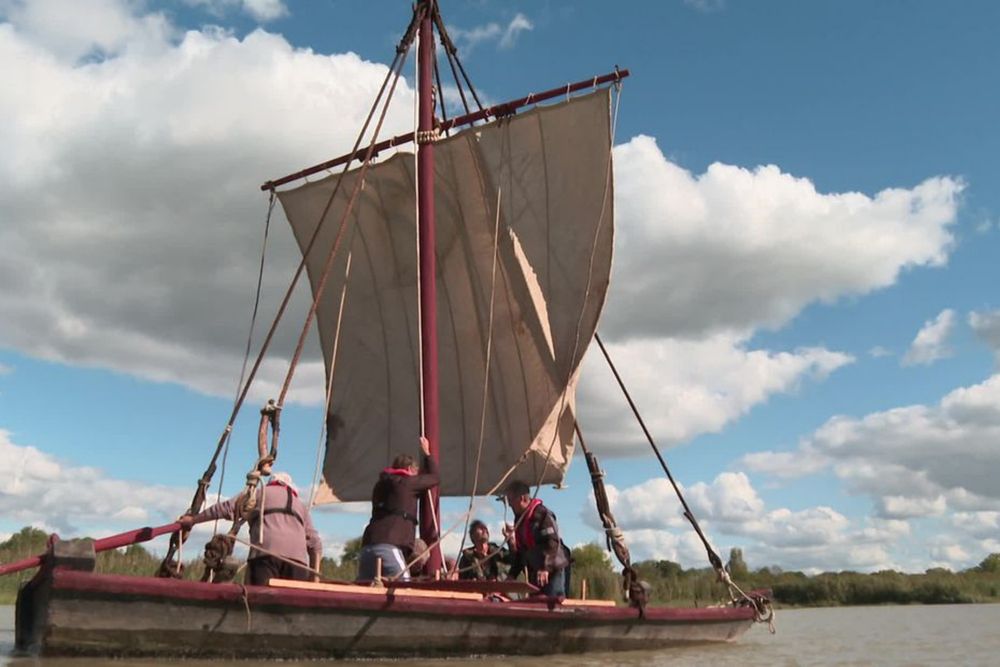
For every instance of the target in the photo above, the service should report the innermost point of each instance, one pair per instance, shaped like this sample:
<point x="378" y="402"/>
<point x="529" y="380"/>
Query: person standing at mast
<point x="390" y="532"/>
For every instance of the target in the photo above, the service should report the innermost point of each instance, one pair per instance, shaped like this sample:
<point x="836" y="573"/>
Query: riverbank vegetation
<point x="669" y="582"/>
<point x="672" y="584"/>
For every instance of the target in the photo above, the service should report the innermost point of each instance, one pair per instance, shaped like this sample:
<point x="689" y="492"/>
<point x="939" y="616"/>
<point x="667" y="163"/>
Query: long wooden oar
<point x="103" y="544"/>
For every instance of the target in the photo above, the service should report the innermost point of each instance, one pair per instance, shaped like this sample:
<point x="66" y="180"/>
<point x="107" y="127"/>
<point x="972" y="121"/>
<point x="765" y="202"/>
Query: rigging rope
<point x="713" y="557"/>
<point x="167" y="567"/>
<point x="486" y="373"/>
<point x="452" y="52"/>
<point x="590" y="278"/>
<point x="634" y="590"/>
<point x="440" y="97"/>
<point x="272" y="200"/>
<point x="329" y="384"/>
<point x="321" y="284"/>
<point x="273" y="409"/>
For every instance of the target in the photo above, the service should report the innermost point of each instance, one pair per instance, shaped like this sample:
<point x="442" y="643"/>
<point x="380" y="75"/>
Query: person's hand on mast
<point x="425" y="446"/>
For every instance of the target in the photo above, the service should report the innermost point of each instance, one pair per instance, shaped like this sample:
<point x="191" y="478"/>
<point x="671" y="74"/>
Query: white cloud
<point x="878" y="352"/>
<point x="986" y="224"/>
<point x="70" y="30"/>
<point x="467" y="39"/>
<point x="265" y="10"/>
<point x="147" y="249"/>
<point x="950" y="555"/>
<point x="981" y="525"/>
<point x="914" y="461"/>
<point x="684" y="387"/>
<point x="260" y="10"/>
<point x="732" y="514"/>
<point x="986" y="325"/>
<point x="40" y="489"/>
<point x="930" y="343"/>
<point x="706" y="6"/>
<point x="735" y="249"/>
<point x="5" y="369"/>
<point x="903" y="507"/>
<point x="143" y="262"/>
<point x="683" y="547"/>
<point x="520" y="23"/>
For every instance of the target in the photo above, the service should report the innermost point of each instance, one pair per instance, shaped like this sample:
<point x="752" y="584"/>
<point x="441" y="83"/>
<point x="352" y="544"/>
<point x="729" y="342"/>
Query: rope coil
<point x="428" y="136"/>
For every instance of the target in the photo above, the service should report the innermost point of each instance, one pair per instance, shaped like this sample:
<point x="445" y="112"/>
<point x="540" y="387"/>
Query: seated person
<point x="482" y="560"/>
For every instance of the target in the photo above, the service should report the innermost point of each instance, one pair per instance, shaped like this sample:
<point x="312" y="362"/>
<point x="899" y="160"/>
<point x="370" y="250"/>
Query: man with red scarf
<point x="535" y="543"/>
<point x="280" y="526"/>
<point x="390" y="532"/>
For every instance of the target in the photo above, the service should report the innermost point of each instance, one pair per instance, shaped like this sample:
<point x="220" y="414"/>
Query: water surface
<point x="918" y="635"/>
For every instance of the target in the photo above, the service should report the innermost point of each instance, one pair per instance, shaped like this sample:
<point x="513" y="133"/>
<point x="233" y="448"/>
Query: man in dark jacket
<point x="535" y="543"/>
<point x="482" y="560"/>
<point x="390" y="531"/>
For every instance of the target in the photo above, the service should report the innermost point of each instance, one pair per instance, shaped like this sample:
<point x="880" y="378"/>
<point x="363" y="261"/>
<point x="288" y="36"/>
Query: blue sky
<point x="804" y="292"/>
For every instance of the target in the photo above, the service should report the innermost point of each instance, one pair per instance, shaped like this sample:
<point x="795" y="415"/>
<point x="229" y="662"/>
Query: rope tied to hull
<point x="763" y="612"/>
<point x="636" y="592"/>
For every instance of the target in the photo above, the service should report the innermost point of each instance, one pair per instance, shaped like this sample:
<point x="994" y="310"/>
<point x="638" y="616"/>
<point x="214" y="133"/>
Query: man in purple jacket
<point x="286" y="536"/>
<point x="390" y="531"/>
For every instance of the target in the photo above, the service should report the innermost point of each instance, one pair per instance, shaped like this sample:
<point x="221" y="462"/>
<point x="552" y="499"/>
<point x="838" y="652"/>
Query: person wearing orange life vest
<point x="535" y="543"/>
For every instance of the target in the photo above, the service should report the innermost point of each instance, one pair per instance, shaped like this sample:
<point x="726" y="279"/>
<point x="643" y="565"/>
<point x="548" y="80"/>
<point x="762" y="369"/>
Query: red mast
<point x="428" y="270"/>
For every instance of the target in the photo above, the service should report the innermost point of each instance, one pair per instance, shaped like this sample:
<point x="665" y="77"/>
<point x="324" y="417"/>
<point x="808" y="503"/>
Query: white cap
<point x="284" y="478"/>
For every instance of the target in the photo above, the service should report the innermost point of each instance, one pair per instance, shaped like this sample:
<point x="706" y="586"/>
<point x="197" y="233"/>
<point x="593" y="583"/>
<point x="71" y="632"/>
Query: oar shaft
<point x="103" y="544"/>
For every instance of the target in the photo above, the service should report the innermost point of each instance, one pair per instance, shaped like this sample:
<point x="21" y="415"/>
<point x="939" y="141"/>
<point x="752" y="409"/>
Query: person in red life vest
<point x="535" y="543"/>
<point x="391" y="530"/>
<point x="286" y="535"/>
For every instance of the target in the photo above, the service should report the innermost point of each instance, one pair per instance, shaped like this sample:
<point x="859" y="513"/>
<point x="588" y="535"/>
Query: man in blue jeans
<point x="534" y="542"/>
<point x="390" y="533"/>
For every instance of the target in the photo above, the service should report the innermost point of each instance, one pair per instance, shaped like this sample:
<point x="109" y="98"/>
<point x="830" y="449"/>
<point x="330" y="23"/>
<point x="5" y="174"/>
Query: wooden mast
<point x="428" y="272"/>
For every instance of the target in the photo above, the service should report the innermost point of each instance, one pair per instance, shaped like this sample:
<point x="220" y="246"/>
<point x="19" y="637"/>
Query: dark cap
<point x="517" y="488"/>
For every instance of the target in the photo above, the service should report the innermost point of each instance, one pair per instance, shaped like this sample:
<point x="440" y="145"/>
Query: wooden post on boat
<point x="429" y="503"/>
<point x="583" y="589"/>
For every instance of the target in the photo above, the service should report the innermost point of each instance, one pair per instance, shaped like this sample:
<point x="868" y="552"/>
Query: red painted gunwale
<point x="110" y="585"/>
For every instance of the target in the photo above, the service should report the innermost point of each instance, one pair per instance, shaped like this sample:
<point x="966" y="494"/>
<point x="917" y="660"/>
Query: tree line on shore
<point x="669" y="582"/>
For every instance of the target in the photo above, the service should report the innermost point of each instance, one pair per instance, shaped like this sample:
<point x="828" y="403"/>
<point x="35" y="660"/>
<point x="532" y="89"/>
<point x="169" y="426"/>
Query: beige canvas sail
<point x="552" y="167"/>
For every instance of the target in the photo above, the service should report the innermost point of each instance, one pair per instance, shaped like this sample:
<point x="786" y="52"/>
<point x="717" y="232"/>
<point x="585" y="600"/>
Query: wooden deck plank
<point x="370" y="590"/>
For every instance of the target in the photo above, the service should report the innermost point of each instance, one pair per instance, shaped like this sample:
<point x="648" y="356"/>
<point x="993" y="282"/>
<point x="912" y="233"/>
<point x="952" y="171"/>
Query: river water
<point x="919" y="635"/>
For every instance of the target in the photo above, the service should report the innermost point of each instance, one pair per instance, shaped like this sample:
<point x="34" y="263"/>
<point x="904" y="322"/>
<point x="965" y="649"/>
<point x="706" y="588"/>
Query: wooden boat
<point x="69" y="612"/>
<point x="511" y="224"/>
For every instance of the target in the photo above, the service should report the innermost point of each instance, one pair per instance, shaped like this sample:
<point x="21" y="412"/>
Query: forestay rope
<point x="761" y="605"/>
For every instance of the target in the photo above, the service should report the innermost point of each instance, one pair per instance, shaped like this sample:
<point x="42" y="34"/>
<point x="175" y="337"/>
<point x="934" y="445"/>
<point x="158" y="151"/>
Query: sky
<point x="803" y="301"/>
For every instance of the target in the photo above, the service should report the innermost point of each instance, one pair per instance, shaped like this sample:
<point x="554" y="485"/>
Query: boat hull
<point x="65" y="612"/>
